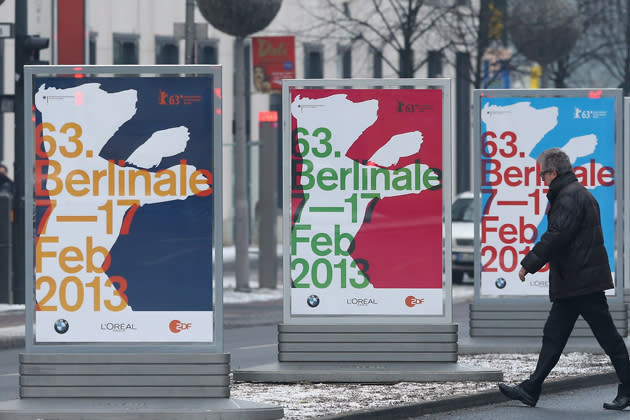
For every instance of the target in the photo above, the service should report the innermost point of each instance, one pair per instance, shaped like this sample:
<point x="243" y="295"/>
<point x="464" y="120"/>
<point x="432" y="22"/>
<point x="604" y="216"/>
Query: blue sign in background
<point x="596" y="116"/>
<point x="167" y="256"/>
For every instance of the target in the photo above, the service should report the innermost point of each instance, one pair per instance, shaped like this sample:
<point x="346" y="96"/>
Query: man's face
<point x="3" y="170"/>
<point x="548" y="176"/>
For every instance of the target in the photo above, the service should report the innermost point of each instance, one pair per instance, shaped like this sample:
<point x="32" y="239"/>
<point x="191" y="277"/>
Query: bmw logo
<point x="61" y="326"/>
<point x="500" y="283"/>
<point x="312" y="301"/>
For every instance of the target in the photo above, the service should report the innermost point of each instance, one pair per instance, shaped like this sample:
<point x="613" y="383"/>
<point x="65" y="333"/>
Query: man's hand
<point x="522" y="273"/>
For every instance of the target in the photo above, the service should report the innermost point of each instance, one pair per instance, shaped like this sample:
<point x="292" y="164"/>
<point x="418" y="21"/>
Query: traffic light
<point x="32" y="46"/>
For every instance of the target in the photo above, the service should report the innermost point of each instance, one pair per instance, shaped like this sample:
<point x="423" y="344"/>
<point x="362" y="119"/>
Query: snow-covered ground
<point x="307" y="401"/>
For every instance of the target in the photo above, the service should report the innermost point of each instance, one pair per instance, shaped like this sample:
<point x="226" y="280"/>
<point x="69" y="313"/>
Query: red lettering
<point x="581" y="174"/>
<point x="485" y="228"/>
<point x="528" y="171"/>
<point x="485" y="172"/>
<point x="488" y="144"/>
<point x="522" y="227"/>
<point x="487" y="267"/>
<point x="588" y="175"/>
<point x="605" y="176"/>
<point x="527" y="233"/>
<point x="507" y="233"/>
<point x="512" y="175"/>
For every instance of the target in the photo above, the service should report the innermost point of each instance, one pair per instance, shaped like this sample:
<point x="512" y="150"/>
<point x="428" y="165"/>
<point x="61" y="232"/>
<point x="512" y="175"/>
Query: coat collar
<point x="559" y="183"/>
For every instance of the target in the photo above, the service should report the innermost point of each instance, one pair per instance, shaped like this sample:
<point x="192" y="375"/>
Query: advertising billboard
<point x="367" y="200"/>
<point x="514" y="130"/>
<point x="123" y="195"/>
<point x="273" y="59"/>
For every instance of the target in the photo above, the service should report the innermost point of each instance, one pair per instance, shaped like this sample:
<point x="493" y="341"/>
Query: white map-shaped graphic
<point x="161" y="144"/>
<point x="99" y="115"/>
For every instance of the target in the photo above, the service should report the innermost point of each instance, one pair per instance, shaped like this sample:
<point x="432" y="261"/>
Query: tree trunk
<point x="560" y="76"/>
<point x="405" y="58"/>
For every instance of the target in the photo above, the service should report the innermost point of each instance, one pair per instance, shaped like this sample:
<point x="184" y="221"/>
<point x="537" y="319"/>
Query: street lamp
<point x="545" y="30"/>
<point x="240" y="18"/>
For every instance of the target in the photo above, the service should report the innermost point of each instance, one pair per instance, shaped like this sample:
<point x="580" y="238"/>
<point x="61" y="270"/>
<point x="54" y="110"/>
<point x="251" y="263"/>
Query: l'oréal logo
<point x="361" y="301"/>
<point x="118" y="326"/>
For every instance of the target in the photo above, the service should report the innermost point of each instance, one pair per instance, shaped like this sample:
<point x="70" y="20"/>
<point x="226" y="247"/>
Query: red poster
<point x="273" y="59"/>
<point x="367" y="201"/>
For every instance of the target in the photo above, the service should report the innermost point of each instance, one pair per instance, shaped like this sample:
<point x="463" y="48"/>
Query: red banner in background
<point x="71" y="32"/>
<point x="273" y="59"/>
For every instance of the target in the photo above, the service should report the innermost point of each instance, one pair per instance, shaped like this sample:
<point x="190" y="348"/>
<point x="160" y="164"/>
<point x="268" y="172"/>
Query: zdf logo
<point x="176" y="326"/>
<point x="412" y="301"/>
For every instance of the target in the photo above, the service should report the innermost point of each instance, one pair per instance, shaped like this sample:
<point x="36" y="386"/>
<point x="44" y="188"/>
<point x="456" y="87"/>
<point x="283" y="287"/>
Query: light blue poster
<point x="514" y="131"/>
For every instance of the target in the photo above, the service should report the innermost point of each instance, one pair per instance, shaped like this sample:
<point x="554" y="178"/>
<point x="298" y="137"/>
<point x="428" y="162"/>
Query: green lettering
<point x="325" y="175"/>
<point x="295" y="238"/>
<point x="402" y="179"/>
<point x="321" y="240"/>
<point x="307" y="168"/>
<point x="343" y="173"/>
<point x="338" y="238"/>
<point x="374" y="180"/>
<point x="432" y="174"/>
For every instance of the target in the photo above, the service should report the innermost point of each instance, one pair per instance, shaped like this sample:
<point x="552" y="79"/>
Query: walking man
<point x="579" y="273"/>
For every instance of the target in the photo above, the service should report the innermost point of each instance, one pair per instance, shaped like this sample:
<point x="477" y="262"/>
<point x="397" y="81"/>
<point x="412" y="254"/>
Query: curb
<point x="469" y="401"/>
<point x="12" y="342"/>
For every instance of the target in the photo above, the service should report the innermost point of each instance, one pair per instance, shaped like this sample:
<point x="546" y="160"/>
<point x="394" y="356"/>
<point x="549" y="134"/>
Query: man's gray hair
<point x="554" y="159"/>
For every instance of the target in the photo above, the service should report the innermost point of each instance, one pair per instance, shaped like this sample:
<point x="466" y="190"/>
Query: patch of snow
<point x="304" y="401"/>
<point x="6" y="307"/>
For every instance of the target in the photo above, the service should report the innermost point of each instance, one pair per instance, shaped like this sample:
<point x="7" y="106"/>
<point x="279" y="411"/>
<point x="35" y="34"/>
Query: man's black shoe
<point x="619" y="403"/>
<point x="518" y="393"/>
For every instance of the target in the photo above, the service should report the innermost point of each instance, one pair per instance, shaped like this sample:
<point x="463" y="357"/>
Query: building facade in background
<point x="148" y="32"/>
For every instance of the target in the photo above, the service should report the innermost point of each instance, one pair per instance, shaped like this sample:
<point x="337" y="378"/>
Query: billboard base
<point x="137" y="409"/>
<point x="138" y="386"/>
<point x="376" y="353"/>
<point x="361" y="372"/>
<point x="498" y="327"/>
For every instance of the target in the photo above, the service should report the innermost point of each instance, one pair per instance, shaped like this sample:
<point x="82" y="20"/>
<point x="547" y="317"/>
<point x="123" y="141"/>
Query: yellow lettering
<point x="40" y="253"/>
<point x="70" y="254"/>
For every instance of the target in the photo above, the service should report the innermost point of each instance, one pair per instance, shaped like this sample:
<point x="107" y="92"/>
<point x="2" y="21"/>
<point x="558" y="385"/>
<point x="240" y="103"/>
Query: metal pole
<point x="241" y="216"/>
<point x="190" y="31"/>
<point x="5" y="248"/>
<point x="2" y="92"/>
<point x="19" y="262"/>
<point x="268" y="186"/>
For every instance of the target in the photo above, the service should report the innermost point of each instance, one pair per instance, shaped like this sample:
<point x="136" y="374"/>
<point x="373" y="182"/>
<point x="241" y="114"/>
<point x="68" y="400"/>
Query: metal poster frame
<point x="213" y="72"/>
<point x="626" y="190"/>
<point x="620" y="183"/>
<point x="445" y="85"/>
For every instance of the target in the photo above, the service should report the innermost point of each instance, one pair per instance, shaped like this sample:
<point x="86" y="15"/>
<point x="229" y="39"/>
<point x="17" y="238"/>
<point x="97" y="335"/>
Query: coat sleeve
<point x="564" y="222"/>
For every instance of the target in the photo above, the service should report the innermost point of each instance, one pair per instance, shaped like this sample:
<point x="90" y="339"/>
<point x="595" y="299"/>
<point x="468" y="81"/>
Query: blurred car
<point x="463" y="236"/>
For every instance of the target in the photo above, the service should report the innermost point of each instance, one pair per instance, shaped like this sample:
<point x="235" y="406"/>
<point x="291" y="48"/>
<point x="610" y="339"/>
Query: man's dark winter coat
<point x="6" y="185"/>
<point x="573" y="244"/>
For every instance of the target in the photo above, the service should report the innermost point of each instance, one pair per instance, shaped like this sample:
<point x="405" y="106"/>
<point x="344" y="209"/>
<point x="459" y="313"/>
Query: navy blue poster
<point x="124" y="220"/>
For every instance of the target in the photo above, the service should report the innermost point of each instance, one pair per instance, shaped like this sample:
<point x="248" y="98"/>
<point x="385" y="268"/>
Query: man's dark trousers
<point x="564" y="312"/>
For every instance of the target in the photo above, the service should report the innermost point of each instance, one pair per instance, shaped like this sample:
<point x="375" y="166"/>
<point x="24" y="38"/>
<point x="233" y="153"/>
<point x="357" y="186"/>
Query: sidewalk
<point x="11" y="326"/>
